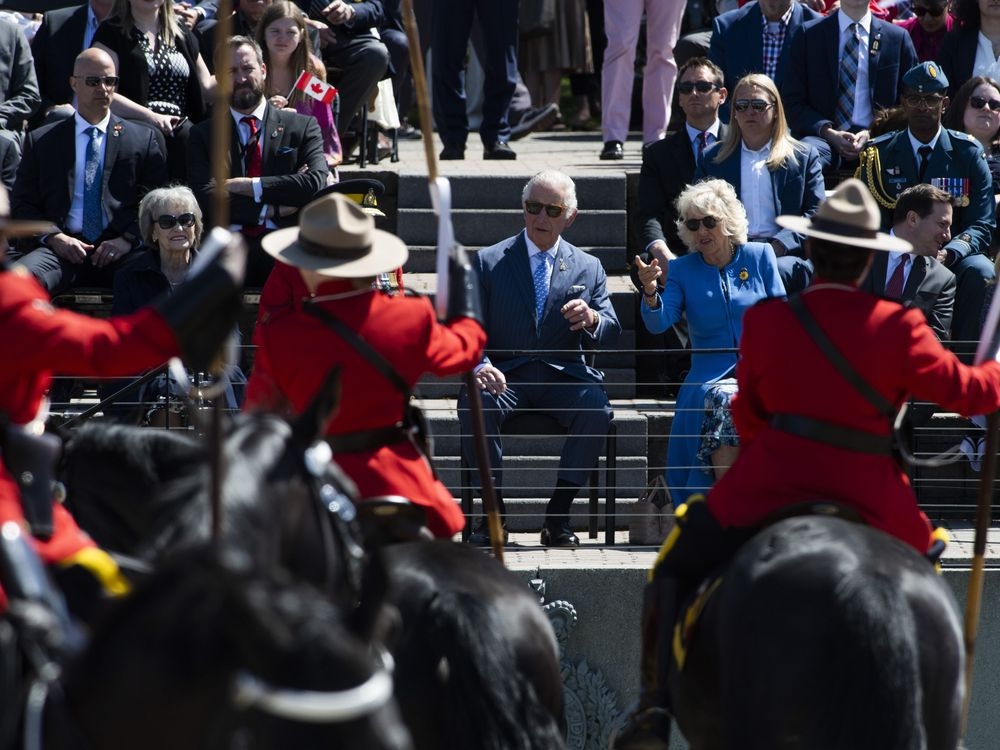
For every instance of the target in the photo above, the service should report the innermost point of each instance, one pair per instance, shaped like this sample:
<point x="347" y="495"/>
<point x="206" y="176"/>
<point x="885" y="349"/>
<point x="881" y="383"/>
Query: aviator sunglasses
<point x="95" y="81"/>
<point x="920" y="11"/>
<point x="757" y="105"/>
<point x="166" y="221"/>
<point x="553" y="211"/>
<point x="710" y="222"/>
<point x="702" y="87"/>
<point x="978" y="102"/>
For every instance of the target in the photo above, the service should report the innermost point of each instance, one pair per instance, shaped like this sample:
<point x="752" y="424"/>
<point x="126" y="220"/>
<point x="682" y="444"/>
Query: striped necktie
<point x="848" y="79"/>
<point x="541" y="281"/>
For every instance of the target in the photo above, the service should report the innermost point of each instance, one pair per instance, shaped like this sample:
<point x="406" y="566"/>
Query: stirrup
<point x="644" y="729"/>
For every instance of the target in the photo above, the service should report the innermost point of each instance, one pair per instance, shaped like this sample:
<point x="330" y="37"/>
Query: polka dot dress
<point x="168" y="76"/>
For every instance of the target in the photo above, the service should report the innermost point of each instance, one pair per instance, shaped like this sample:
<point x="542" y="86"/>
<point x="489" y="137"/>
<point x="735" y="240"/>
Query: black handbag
<point x="537" y="17"/>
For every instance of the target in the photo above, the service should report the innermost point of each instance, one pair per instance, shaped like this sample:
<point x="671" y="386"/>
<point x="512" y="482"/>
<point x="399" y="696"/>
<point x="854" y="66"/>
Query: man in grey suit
<point x="18" y="96"/>
<point x="923" y="217"/>
<point x="545" y="303"/>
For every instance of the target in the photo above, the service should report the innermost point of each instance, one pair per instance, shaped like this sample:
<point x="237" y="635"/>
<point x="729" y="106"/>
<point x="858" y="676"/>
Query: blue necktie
<point x="848" y="79"/>
<point x="93" y="174"/>
<point x="541" y="280"/>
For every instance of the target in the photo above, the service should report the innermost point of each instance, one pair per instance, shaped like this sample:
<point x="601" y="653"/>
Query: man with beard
<point x="276" y="162"/>
<point x="953" y="161"/>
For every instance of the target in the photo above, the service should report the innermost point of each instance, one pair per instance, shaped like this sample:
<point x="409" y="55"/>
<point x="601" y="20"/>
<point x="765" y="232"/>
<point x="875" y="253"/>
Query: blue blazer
<point x="955" y="156"/>
<point x="957" y="57"/>
<point x="738" y="44"/>
<point x="508" y="297"/>
<point x="810" y="92"/>
<point x="797" y="188"/>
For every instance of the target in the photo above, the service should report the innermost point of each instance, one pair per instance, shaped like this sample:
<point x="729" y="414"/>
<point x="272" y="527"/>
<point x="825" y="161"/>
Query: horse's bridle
<point x="316" y="707"/>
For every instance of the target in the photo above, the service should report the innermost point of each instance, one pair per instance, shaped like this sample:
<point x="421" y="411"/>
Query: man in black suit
<point x="668" y="166"/>
<point x="922" y="217"/>
<point x="275" y="156"/>
<point x="51" y="184"/>
<point x="63" y="35"/>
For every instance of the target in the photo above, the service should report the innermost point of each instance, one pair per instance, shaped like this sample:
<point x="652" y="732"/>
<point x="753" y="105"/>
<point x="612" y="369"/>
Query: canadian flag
<point x="315" y="87"/>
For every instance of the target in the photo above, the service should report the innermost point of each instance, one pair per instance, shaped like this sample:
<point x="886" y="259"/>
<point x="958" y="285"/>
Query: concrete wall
<point x="608" y="602"/>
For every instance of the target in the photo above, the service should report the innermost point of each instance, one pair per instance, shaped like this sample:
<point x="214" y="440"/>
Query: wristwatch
<point x="131" y="239"/>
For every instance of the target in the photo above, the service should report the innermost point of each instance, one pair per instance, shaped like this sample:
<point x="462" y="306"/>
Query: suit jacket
<point x="810" y="92"/>
<point x="289" y="140"/>
<point x="738" y="44"/>
<point x="668" y="166"/>
<point x="508" y="297"/>
<point x="133" y="165"/>
<point x="956" y="155"/>
<point x="55" y="46"/>
<point x="957" y="56"/>
<point x="797" y="188"/>
<point x="929" y="287"/>
<point x="18" y="85"/>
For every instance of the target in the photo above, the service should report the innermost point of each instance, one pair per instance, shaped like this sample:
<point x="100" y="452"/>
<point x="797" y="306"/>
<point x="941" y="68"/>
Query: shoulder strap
<point x="362" y="347"/>
<point x="837" y="359"/>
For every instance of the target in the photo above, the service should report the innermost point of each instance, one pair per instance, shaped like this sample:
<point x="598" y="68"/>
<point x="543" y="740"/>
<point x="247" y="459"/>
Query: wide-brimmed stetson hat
<point x="336" y="238"/>
<point x="12" y="228"/>
<point x="850" y="216"/>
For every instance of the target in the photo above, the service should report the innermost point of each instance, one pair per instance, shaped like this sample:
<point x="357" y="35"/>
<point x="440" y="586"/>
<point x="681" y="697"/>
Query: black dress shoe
<point x="559" y="536"/>
<point x="480" y="536"/>
<point x="613" y="151"/>
<point x="498" y="150"/>
<point x="452" y="153"/>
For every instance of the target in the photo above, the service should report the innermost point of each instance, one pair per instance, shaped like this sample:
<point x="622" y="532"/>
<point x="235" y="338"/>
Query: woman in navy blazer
<point x="759" y="139"/>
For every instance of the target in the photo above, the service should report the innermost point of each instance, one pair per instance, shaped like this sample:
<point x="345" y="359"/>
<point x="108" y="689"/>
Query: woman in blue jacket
<point x="712" y="286"/>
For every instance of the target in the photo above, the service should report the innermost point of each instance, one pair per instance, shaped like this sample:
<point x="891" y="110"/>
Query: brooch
<point x="116" y="129"/>
<point x="743" y="276"/>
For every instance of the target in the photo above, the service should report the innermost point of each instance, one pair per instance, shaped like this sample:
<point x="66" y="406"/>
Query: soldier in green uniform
<point x="953" y="161"/>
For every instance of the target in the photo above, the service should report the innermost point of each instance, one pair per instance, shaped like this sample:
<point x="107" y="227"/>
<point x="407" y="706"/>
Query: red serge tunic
<point x="295" y="351"/>
<point x="781" y="370"/>
<point x="39" y="340"/>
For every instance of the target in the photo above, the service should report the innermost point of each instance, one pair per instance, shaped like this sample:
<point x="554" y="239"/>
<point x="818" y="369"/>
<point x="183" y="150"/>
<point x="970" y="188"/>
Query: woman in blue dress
<point x="712" y="286"/>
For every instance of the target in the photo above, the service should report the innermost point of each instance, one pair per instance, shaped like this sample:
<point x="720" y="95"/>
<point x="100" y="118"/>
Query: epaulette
<point x="961" y="135"/>
<point x="870" y="172"/>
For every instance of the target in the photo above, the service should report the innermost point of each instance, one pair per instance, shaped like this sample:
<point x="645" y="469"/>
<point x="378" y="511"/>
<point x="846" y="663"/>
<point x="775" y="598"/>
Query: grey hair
<point x="156" y="202"/>
<point x="712" y="198"/>
<point x="557" y="180"/>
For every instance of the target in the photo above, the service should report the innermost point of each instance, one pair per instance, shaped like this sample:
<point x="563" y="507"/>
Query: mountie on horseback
<point x="818" y="435"/>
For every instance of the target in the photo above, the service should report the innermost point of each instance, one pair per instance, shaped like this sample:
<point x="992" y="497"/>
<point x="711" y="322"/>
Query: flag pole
<point x="444" y="218"/>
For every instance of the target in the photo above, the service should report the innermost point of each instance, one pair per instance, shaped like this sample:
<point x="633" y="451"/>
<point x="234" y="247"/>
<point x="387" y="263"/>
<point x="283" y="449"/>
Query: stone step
<point x="423" y="258"/>
<point x="479" y="228"/>
<point x="491" y="191"/>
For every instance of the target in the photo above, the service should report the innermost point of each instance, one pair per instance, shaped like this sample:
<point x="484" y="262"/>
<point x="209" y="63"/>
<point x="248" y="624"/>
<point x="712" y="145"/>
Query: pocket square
<point x="576" y="290"/>
<point x="286" y="150"/>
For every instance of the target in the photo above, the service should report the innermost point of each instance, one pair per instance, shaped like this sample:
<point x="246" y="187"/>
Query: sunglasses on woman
<point x="978" y="102"/>
<point x="920" y="11"/>
<point x="167" y="221"/>
<point x="552" y="210"/>
<point x="710" y="222"/>
<point x="757" y="105"/>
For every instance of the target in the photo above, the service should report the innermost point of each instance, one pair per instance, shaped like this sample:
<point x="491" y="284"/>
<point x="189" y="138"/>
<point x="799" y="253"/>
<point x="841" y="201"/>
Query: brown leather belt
<point x="831" y="434"/>
<point x="368" y="440"/>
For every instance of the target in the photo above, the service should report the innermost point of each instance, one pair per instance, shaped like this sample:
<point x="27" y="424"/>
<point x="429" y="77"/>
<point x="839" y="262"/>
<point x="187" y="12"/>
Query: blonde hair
<point x="170" y="26"/>
<point x="715" y="198"/>
<point x="783" y="146"/>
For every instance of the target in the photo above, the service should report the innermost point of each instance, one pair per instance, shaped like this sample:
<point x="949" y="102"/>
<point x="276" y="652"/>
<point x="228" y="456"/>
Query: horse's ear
<point x="311" y="424"/>
<point x="365" y="621"/>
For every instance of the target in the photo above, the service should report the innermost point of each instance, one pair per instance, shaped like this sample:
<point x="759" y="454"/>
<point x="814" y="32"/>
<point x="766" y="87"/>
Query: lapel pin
<point x="562" y="265"/>
<point x="116" y="130"/>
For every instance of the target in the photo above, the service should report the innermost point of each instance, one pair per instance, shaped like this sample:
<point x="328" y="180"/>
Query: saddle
<point x="692" y="606"/>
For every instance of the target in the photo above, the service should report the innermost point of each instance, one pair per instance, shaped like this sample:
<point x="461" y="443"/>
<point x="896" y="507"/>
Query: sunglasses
<point x="702" y="87"/>
<point x="166" y="221"/>
<point x="551" y="210"/>
<point x="920" y="11"/>
<point x="757" y="105"/>
<point x="710" y="222"/>
<point x="95" y="81"/>
<point x="927" y="100"/>
<point x="978" y="102"/>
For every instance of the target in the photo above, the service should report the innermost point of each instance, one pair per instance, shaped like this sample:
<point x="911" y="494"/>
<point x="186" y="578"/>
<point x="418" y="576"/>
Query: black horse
<point x="477" y="659"/>
<point x="823" y="635"/>
<point x="209" y="652"/>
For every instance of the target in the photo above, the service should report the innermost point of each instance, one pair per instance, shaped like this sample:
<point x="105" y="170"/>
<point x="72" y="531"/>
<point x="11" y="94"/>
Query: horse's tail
<point x="500" y="709"/>
<point x="877" y="672"/>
